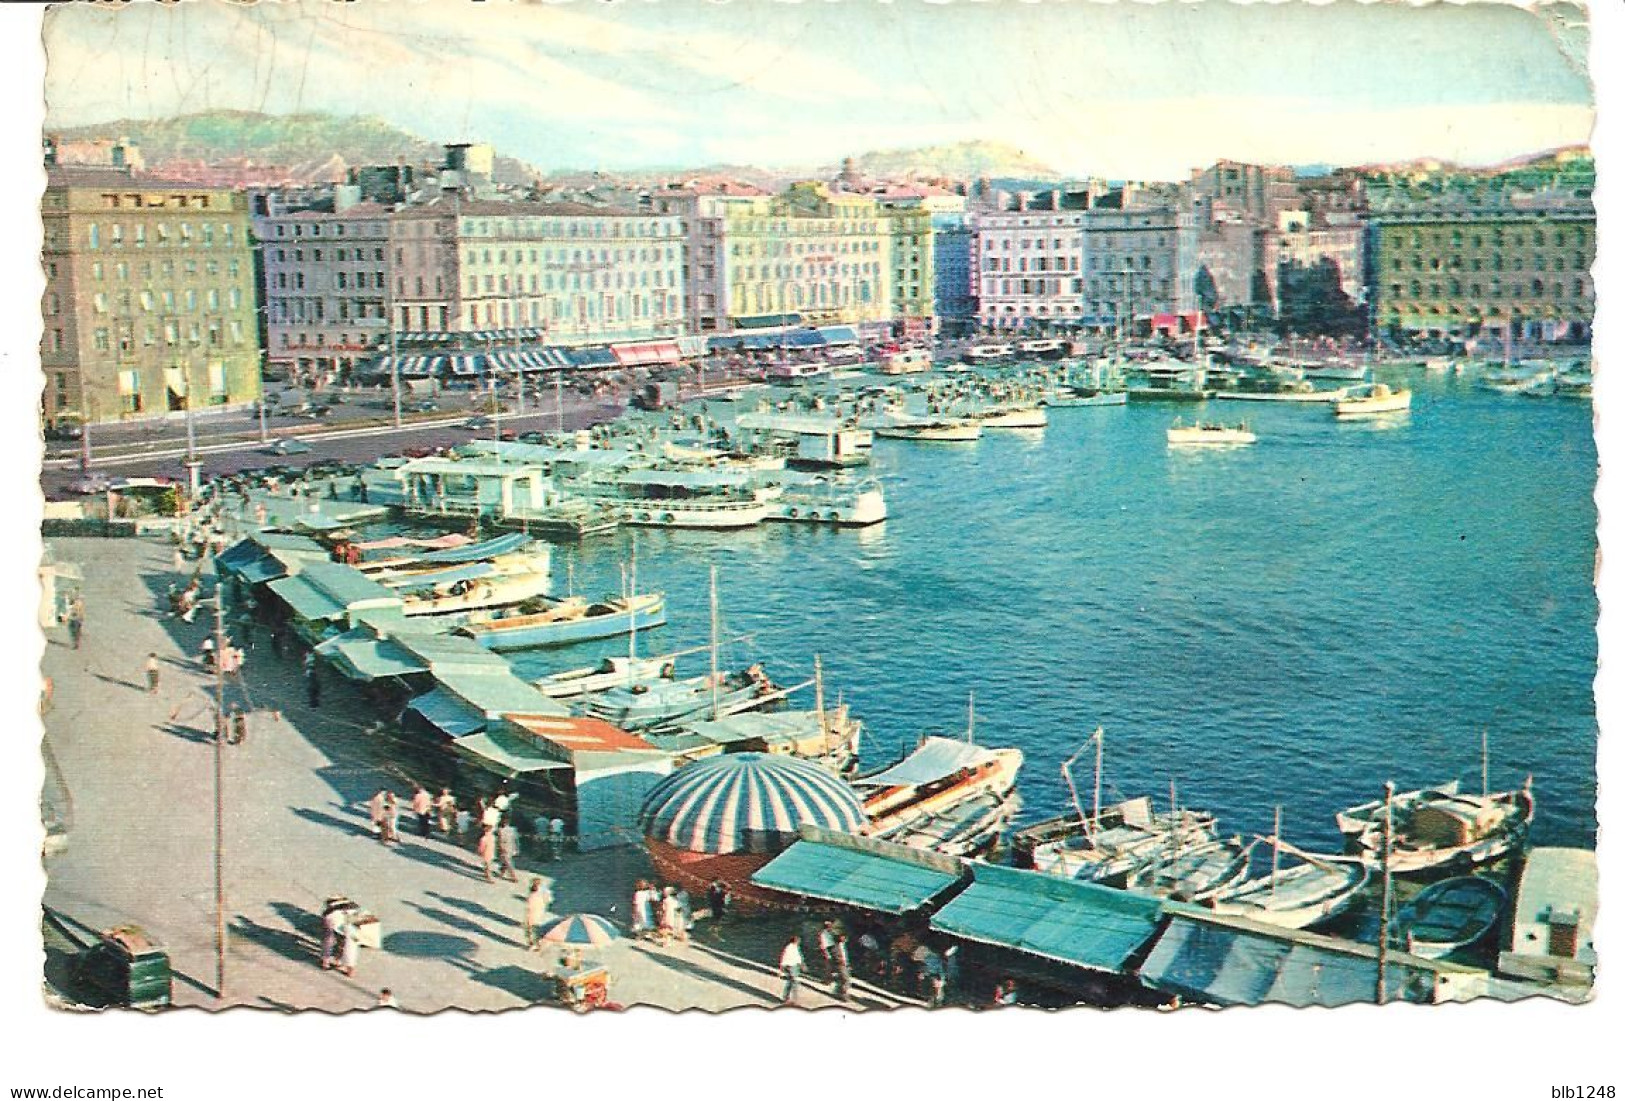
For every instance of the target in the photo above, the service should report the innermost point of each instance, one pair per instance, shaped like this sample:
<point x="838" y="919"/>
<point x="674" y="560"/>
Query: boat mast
<point x="1484" y="761"/>
<point x="1387" y="891"/>
<point x="632" y="613"/>
<point x="716" y="706"/>
<point x="818" y="698"/>
<point x="970" y="720"/>
<point x="1275" y="855"/>
<point x="1100" y="753"/>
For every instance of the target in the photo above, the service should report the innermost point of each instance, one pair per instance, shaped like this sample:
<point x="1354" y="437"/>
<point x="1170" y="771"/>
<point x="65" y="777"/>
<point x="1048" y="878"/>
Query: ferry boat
<point x="1372" y="401"/>
<point x="1202" y="434"/>
<point x="824" y="501"/>
<point x="1044" y="349"/>
<point x="707" y="498"/>
<point x="1435" y="828"/>
<point x="909" y="361"/>
<point x="573" y="619"/>
<point x="988" y="353"/>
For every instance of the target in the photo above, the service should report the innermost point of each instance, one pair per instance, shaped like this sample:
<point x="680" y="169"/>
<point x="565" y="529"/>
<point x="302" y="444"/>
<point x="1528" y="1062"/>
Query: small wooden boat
<point x="1450" y="915"/>
<point x="572" y="619"/>
<point x="1316" y="889"/>
<point x="610" y="673"/>
<point x="1194" y="873"/>
<point x="936" y="778"/>
<point x="1012" y="417"/>
<point x="1372" y="401"/>
<point x="1441" y="827"/>
<point x="665" y="704"/>
<point x="1081" y="400"/>
<point x="968" y="828"/>
<point x="1208" y="435"/>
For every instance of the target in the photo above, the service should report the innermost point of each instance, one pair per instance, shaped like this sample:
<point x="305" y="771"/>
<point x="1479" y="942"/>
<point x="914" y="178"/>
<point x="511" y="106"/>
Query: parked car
<point x="479" y="424"/>
<point x="423" y="407"/>
<point x="94" y="482"/>
<point x="289" y="446"/>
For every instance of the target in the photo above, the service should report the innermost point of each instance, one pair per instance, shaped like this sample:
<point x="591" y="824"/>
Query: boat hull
<point x="500" y="636"/>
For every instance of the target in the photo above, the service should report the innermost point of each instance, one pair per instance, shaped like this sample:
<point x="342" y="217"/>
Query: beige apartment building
<point x="149" y="304"/>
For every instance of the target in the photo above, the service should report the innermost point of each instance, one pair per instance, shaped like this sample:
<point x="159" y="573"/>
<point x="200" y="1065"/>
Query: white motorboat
<point x="1202" y="434"/>
<point x="907" y="362"/>
<point x="1296" y="392"/>
<point x="1372" y="401"/>
<point x="1017" y="417"/>
<point x="1440" y="827"/>
<point x="930" y="430"/>
<point x="988" y="353"/>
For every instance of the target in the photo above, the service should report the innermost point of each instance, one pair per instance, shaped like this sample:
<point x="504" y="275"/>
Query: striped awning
<point x="748" y="802"/>
<point x="646" y="353"/>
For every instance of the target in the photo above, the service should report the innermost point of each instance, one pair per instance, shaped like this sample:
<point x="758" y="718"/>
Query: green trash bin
<point x="129" y="967"/>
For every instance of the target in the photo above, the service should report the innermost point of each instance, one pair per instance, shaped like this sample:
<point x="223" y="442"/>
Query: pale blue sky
<point x="1123" y="90"/>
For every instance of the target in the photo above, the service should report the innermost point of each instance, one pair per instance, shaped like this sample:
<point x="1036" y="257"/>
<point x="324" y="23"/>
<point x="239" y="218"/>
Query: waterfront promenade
<point x="138" y="789"/>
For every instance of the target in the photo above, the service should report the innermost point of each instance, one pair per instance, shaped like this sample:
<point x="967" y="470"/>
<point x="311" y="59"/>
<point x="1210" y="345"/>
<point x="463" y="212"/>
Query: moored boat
<point x="1441" y="827"/>
<point x="1371" y="401"/>
<point x="1194" y="873"/>
<point x="988" y="353"/>
<point x="933" y="780"/>
<point x="1315" y="889"/>
<point x="906" y="362"/>
<point x="1081" y="400"/>
<point x="1205" y="434"/>
<point x="572" y="619"/>
<point x="1012" y="417"/>
<point x="1450" y="915"/>
<point x="929" y="430"/>
<point x="609" y="673"/>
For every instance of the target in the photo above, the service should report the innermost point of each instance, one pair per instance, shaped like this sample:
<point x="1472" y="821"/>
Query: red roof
<point x="579" y="735"/>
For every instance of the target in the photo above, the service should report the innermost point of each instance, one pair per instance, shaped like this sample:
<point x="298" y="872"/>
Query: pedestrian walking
<point x="350" y="948"/>
<point x="826" y="948"/>
<point x="671" y="917"/>
<point x="487" y="850"/>
<point x="643" y="917"/>
<point x="507" y="849"/>
<point x="423" y="807"/>
<point x="716" y="896"/>
<point x="842" y="961"/>
<point x="237" y="729"/>
<point x="446" y="810"/>
<point x="332" y="929"/>
<point x="313" y="689"/>
<point x="790" y="964"/>
<point x="490" y="815"/>
<point x="555" y="839"/>
<point x="76" y="621"/>
<point x="536" y="904"/>
<point x="465" y="823"/>
<point x="151" y="669"/>
<point x="392" y="819"/>
<point x="375" y="810"/>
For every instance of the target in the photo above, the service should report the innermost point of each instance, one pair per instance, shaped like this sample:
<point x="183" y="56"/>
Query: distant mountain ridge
<point x="311" y="144"/>
<point x="965" y="160"/>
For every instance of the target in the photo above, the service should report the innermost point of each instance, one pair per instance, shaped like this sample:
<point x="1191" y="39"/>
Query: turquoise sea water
<point x="1291" y="623"/>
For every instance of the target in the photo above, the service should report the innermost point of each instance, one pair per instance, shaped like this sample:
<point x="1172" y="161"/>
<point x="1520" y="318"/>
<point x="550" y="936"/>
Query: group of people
<point x="661" y="914"/>
<point x="341" y="936"/>
<point x="904" y="959"/>
<point x="489" y="826"/>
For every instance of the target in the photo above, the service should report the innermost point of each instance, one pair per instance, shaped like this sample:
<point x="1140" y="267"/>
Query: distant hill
<point x="311" y="145"/>
<point x="966" y="160"/>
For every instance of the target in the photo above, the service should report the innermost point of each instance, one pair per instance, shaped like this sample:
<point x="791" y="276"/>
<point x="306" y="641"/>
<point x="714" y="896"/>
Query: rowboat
<point x="573" y="619"/>
<point x="969" y="828"/>
<point x="1316" y="889"/>
<point x="1450" y="915"/>
<point x="1194" y="873"/>
<point x="1440" y="827"/>
<point x="1209" y="435"/>
<point x="1371" y="401"/>
<point x="665" y="703"/>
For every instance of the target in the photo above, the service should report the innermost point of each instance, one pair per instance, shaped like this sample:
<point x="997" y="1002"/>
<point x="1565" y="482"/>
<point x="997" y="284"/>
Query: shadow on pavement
<point x="710" y="975"/>
<point x="446" y="917"/>
<point x="474" y="907"/>
<point x="424" y="944"/>
<point x="521" y="982"/>
<point x="287" y="944"/>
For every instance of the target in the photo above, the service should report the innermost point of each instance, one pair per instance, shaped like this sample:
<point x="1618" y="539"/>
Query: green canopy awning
<point x="306" y="600"/>
<point x="1082" y="924"/>
<point x="447" y="713"/>
<point x="873" y="875"/>
<point x="508" y="754"/>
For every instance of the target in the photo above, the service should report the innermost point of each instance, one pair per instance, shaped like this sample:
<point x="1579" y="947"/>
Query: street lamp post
<point x="219" y="790"/>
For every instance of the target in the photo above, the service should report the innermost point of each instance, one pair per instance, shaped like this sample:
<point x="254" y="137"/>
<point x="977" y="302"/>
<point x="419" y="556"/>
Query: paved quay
<point x="131" y="779"/>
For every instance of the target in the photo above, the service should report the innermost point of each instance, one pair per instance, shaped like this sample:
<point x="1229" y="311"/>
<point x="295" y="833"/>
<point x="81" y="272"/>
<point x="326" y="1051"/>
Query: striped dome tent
<point x="747" y="803"/>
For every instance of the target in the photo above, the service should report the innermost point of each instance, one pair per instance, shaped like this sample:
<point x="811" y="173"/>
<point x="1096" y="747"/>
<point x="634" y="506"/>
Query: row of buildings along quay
<point x="167" y="297"/>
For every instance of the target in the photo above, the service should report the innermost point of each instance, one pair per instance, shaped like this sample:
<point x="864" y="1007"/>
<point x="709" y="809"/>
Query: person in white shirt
<point x="790" y="965"/>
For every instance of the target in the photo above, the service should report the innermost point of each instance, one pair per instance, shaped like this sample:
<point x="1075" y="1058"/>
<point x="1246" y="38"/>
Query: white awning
<point x="936" y="759"/>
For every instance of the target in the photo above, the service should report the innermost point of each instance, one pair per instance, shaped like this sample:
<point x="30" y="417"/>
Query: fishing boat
<point x="458" y="594"/>
<point x="1202" y="434"/>
<point x="573" y="619"/>
<point x="1442" y="827"/>
<point x="967" y="829"/>
<point x="929" y="429"/>
<point x="909" y="361"/>
<point x="1450" y="916"/>
<point x="612" y="672"/>
<point x="936" y="780"/>
<point x="1315" y="889"/>
<point x="1194" y="873"/>
<point x="1371" y="401"/>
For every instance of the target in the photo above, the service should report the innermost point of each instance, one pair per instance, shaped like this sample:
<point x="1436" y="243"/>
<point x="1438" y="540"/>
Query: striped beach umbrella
<point x="747" y="803"/>
<point x="584" y="930"/>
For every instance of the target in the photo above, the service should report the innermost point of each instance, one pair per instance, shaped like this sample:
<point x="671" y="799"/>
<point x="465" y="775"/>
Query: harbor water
<point x="1291" y="623"/>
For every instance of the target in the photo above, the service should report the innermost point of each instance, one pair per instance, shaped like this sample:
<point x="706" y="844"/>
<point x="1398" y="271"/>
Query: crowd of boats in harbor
<point x="427" y="622"/>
